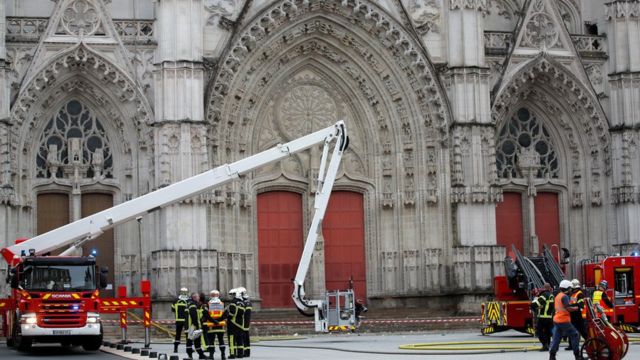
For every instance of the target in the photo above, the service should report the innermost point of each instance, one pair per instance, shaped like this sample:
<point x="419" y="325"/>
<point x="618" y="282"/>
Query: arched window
<point x="74" y="140"/>
<point x="522" y="132"/>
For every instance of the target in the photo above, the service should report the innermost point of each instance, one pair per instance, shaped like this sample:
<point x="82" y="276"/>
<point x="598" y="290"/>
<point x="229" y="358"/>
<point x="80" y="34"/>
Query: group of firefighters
<point x="205" y="321"/>
<point x="562" y="314"/>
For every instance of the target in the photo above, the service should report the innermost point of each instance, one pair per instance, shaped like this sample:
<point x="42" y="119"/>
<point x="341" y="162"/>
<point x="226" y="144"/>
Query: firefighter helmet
<point x="565" y="284"/>
<point x="604" y="284"/>
<point x="575" y="283"/>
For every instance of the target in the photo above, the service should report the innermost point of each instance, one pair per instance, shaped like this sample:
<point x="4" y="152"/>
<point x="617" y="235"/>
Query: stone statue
<point x="53" y="160"/>
<point x="97" y="163"/>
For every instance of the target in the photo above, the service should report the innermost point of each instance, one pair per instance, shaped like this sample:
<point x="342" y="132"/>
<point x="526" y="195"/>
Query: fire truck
<point x="527" y="275"/>
<point x="514" y="291"/>
<point x="622" y="274"/>
<point x="56" y="298"/>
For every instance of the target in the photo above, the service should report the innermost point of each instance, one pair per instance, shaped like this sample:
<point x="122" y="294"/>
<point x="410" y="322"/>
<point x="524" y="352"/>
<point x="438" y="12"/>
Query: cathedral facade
<point x="476" y="126"/>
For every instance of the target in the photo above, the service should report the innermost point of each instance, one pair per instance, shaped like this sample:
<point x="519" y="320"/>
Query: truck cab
<point x="56" y="301"/>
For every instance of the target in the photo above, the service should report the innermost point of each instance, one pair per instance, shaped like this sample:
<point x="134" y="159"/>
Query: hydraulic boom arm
<point x="92" y="226"/>
<point x="326" y="177"/>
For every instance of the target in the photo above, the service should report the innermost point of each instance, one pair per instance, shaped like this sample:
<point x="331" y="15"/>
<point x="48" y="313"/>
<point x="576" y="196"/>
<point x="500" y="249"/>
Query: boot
<point x="552" y="356"/>
<point x="190" y="353"/>
<point x="223" y="357"/>
<point x="201" y="355"/>
<point x="210" y="355"/>
<point x="578" y="356"/>
<point x="175" y="347"/>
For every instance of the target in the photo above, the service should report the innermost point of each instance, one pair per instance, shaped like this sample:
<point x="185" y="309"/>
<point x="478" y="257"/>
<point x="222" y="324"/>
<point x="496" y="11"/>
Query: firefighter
<point x="234" y="324"/>
<point x="601" y="299"/>
<point x="562" y="322"/>
<point x="542" y="307"/>
<point x="216" y="319"/>
<point x="359" y="310"/>
<point x="246" y="302"/>
<point x="195" y="327"/>
<point x="577" y="298"/>
<point x="179" y="309"/>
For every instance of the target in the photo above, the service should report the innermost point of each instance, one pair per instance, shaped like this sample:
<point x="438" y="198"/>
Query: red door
<point x="547" y="219"/>
<point x="509" y="222"/>
<point x="279" y="245"/>
<point x="343" y="231"/>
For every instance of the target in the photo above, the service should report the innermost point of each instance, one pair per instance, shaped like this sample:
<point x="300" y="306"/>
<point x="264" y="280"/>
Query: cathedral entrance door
<point x="279" y="246"/>
<point x="103" y="244"/>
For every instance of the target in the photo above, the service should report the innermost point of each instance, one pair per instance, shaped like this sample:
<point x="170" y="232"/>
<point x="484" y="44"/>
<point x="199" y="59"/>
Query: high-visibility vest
<point x="545" y="306"/>
<point x="597" y="299"/>
<point x="215" y="311"/>
<point x="562" y="314"/>
<point x="579" y="300"/>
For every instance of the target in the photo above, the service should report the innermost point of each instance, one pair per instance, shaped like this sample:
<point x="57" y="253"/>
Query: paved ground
<point x="385" y="347"/>
<point x="53" y="352"/>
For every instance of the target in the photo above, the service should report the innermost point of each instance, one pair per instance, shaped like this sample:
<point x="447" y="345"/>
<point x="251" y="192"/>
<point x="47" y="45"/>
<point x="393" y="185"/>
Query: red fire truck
<point x="526" y="275"/>
<point x="56" y="298"/>
<point x="622" y="274"/>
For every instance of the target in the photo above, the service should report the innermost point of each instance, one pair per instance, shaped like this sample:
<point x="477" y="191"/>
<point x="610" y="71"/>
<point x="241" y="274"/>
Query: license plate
<point x="61" y="332"/>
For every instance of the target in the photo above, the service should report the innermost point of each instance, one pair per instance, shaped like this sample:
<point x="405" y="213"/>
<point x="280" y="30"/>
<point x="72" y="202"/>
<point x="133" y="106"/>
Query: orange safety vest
<point x="575" y="300"/>
<point x="216" y="310"/>
<point x="562" y="314"/>
<point x="597" y="299"/>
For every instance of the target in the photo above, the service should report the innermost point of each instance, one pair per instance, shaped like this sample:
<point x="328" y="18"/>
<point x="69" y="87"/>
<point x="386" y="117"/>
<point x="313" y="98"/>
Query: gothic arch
<point x="290" y="20"/>
<point x="581" y="120"/>
<point x="82" y="73"/>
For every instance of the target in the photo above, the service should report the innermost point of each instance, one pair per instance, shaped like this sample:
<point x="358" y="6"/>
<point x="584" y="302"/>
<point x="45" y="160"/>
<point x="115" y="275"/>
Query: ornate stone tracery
<point x="521" y="134"/>
<point x="54" y="156"/>
<point x="540" y="30"/>
<point x="80" y="18"/>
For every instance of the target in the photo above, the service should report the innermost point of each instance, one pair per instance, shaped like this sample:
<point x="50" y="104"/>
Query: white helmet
<point x="214" y="293"/>
<point x="575" y="283"/>
<point x="184" y="290"/>
<point x="565" y="284"/>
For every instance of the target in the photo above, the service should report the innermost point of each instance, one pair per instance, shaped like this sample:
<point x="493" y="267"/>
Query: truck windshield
<point x="53" y="277"/>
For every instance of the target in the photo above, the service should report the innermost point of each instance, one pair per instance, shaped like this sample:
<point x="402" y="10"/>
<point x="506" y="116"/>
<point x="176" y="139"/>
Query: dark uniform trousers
<point x="235" y="330"/>
<point x="179" y="308"/>
<point x="246" y="340"/>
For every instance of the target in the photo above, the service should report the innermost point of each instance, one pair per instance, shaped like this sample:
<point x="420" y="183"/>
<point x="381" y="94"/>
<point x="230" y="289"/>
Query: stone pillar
<point x="474" y="171"/>
<point x="180" y="136"/>
<point x="624" y="76"/>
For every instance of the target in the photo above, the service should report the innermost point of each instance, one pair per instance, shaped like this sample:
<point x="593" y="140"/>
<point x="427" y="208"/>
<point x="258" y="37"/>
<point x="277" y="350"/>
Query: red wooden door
<point x="103" y="244"/>
<point x="344" y="254"/>
<point x="509" y="229"/>
<point x="547" y="219"/>
<point x="279" y="245"/>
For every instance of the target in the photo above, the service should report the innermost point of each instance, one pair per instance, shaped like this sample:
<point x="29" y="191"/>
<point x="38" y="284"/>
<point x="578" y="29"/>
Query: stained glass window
<point x="521" y="132"/>
<point x="74" y="121"/>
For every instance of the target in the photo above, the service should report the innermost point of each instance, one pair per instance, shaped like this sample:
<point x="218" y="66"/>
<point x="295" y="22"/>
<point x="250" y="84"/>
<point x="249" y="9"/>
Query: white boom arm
<point x="92" y="226"/>
<point x="326" y="178"/>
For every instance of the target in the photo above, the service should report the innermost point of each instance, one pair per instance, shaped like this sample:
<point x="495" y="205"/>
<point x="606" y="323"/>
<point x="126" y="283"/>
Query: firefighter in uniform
<point x="577" y="317"/>
<point x="542" y="307"/>
<point x="179" y="309"/>
<point x="246" y="322"/>
<point x="235" y="318"/>
<point x="216" y="324"/>
<point x="601" y="299"/>
<point x="194" y="337"/>
<point x="562" y="322"/>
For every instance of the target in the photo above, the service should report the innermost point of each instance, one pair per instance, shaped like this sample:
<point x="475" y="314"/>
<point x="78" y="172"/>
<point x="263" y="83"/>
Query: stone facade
<point x="437" y="95"/>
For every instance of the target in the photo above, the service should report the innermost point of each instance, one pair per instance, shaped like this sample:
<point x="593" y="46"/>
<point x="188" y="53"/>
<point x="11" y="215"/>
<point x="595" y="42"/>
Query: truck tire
<point x="92" y="344"/>
<point x="23" y="343"/>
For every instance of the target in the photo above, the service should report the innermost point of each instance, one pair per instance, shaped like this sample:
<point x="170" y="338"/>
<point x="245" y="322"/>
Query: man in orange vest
<point x="562" y="322"/>
<point x="577" y="298"/>
<point x="601" y="299"/>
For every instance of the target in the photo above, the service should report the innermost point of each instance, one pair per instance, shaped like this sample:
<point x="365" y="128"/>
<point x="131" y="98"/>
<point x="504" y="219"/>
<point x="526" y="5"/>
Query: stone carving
<point x="142" y="60"/>
<point x="505" y="8"/>
<point x="218" y="10"/>
<point x="282" y="14"/>
<point x="432" y="172"/>
<point x="425" y="15"/>
<point x="80" y="18"/>
<point x="540" y="31"/>
<point x="525" y="131"/>
<point x="594" y="72"/>
<point x="19" y="59"/>
<point x="587" y="112"/>
<point x="480" y="5"/>
<point x="387" y="193"/>
<point x="75" y="125"/>
<point x="305" y="109"/>
<point x="53" y="160"/>
<point x="619" y="9"/>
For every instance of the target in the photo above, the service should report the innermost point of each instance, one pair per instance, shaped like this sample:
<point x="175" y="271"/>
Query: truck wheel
<point x="92" y="344"/>
<point x="23" y="343"/>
